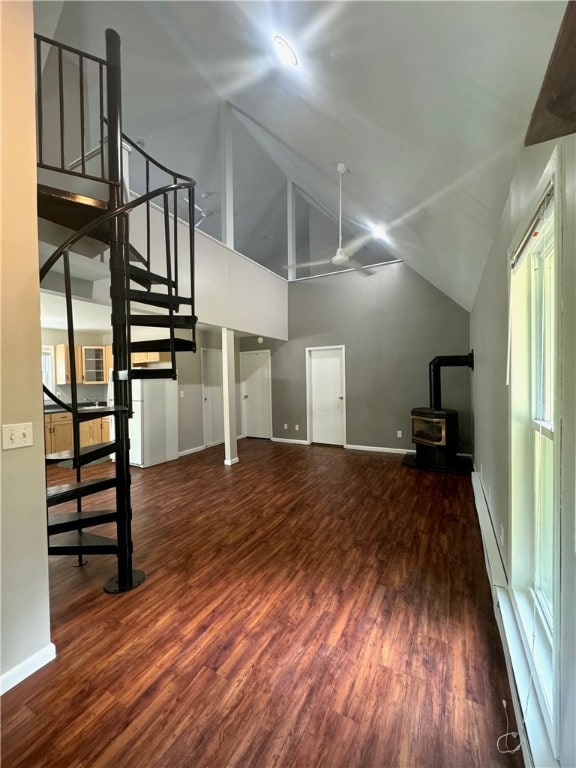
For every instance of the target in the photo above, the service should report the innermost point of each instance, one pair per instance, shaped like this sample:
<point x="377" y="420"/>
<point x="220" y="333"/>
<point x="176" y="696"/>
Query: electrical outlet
<point x="296" y="427"/>
<point x="501" y="535"/>
<point x="17" y="435"/>
<point x="285" y="426"/>
<point x="399" y="433"/>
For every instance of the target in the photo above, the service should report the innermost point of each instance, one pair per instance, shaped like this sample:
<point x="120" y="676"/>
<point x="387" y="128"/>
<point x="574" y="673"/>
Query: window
<point x="535" y="447"/>
<point x="48" y="367"/>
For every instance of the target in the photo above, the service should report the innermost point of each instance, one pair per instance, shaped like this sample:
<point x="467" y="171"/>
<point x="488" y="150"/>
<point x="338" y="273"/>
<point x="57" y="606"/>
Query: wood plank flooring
<point x="309" y="606"/>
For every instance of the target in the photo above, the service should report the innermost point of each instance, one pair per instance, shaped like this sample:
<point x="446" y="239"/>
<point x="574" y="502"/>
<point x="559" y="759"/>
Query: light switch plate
<point x="17" y="435"/>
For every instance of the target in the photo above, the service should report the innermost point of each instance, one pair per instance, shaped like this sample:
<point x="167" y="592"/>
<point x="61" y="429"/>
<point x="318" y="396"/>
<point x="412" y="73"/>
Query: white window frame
<point x="540" y="637"/>
<point x="50" y="378"/>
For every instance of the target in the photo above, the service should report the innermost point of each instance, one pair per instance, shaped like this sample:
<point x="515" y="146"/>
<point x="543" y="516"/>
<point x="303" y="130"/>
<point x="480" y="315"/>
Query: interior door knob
<point x="340" y="397"/>
<point x="245" y="397"/>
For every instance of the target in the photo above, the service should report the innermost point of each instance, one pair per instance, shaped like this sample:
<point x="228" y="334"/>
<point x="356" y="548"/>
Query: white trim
<point x="25" y="668"/>
<point x="229" y="462"/>
<point x="378" y="449"/>
<point x="346" y="271"/>
<point x="308" y="350"/>
<point x="288" y="440"/>
<point x="188" y="451"/>
<point x="536" y="747"/>
<point x="492" y="556"/>
<point x="552" y="176"/>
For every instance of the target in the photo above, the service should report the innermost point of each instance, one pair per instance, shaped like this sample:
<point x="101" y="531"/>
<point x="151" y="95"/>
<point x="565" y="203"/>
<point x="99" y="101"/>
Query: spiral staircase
<point x="87" y="201"/>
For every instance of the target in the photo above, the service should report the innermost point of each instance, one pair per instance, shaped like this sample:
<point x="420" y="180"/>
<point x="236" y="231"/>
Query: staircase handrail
<point x="150" y="159"/>
<point x="125" y="208"/>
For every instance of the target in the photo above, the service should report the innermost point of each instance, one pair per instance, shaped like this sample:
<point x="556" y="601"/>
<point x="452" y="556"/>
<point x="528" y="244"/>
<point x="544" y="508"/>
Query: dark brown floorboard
<point x="305" y="607"/>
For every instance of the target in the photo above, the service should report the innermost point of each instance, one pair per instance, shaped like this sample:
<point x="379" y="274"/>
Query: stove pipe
<point x="435" y="368"/>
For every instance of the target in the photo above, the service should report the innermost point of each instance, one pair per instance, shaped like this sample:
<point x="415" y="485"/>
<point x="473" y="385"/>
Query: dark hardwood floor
<point x="305" y="607"/>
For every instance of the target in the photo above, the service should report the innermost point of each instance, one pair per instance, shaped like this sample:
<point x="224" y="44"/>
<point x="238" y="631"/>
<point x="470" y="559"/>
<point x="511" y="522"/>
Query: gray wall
<point x="392" y="323"/>
<point x="489" y="321"/>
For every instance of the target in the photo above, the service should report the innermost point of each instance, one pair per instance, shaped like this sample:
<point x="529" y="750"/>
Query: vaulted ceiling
<point x="426" y="103"/>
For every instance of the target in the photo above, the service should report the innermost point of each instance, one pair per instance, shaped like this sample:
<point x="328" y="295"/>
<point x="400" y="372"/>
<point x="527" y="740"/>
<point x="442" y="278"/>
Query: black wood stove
<point x="435" y="429"/>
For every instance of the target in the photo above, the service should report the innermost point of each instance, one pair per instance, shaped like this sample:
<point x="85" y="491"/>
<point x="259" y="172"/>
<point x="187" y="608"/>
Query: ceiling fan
<point x="342" y="257"/>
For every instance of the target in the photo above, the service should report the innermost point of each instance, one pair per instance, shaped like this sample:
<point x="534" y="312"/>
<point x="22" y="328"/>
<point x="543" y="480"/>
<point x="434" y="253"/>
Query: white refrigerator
<point x="153" y="428"/>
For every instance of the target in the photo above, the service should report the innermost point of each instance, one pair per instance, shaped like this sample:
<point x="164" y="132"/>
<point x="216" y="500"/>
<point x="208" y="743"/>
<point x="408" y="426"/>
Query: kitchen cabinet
<point x="58" y="432"/>
<point x="62" y="363"/>
<point x="90" y="432"/>
<point x="143" y="358"/>
<point x="93" y="365"/>
<point x="108" y="361"/>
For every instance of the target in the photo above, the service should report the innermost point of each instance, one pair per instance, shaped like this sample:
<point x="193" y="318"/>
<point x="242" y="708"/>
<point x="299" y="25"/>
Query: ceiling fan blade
<point x="360" y="267"/>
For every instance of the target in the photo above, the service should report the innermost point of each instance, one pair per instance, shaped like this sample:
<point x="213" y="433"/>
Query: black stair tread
<point x="69" y="209"/>
<point x="88" y="453"/>
<point x="185" y="322"/>
<point x="147" y="278"/>
<point x="158" y="299"/>
<point x="58" y="494"/>
<point x="163" y="345"/>
<point x="153" y="373"/>
<point x="59" y="522"/>
<point x="80" y="542"/>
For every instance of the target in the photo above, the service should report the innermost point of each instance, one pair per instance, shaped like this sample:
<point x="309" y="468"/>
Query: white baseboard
<point x="287" y="440"/>
<point x="536" y="748"/>
<point x="27" y="667"/>
<point x="494" y="564"/>
<point x="229" y="462"/>
<point x="378" y="449"/>
<point x="188" y="451"/>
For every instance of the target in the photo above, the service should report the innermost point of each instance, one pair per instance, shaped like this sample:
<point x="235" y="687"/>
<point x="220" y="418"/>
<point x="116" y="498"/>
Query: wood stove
<point x="435" y="434"/>
<point x="435" y="429"/>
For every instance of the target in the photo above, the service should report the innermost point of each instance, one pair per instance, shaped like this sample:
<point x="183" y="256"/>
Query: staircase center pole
<point x="125" y="579"/>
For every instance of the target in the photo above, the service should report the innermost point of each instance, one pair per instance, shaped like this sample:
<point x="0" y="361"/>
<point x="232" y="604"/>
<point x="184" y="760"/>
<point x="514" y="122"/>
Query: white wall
<point x="489" y="322"/>
<point x="25" y="643"/>
<point x="226" y="281"/>
<point x="234" y="292"/>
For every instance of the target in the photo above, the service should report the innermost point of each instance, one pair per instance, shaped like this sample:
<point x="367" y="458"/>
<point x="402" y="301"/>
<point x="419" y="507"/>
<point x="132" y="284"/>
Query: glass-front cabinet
<point x="93" y="365"/>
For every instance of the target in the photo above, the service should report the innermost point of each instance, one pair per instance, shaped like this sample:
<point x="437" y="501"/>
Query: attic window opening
<point x="285" y="52"/>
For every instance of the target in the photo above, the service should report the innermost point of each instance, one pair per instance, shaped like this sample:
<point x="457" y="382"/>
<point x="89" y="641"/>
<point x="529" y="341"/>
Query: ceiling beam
<point x="555" y="111"/>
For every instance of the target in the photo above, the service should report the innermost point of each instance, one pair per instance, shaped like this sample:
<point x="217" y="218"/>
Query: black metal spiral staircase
<point x="153" y="289"/>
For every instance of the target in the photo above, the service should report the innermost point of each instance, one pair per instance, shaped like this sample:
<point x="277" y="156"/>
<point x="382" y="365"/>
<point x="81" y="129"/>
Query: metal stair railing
<point x="69" y="68"/>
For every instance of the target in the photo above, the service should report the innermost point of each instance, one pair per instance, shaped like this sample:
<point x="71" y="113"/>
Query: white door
<point x="325" y="385"/>
<point x="255" y="378"/>
<point x="212" y="397"/>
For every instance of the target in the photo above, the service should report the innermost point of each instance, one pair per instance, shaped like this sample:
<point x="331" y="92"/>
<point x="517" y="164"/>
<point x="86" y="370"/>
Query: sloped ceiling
<point x="427" y="103"/>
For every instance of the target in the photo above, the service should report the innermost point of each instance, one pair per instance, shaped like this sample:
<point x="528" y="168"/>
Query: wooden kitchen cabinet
<point x="105" y="436"/>
<point x="108" y="361"/>
<point x="143" y="358"/>
<point x="58" y="434"/>
<point x="93" y="365"/>
<point x="62" y="364"/>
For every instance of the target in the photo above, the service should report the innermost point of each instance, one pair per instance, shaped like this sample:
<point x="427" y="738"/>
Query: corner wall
<point x="25" y="643"/>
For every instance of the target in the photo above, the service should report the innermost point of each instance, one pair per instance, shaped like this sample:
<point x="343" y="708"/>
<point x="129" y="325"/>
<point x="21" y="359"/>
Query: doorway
<point x="326" y="395"/>
<point x="212" y="408"/>
<point x="255" y="391"/>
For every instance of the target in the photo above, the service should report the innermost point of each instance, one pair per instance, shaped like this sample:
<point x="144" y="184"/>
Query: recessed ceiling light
<point x="285" y="52"/>
<point x="379" y="231"/>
